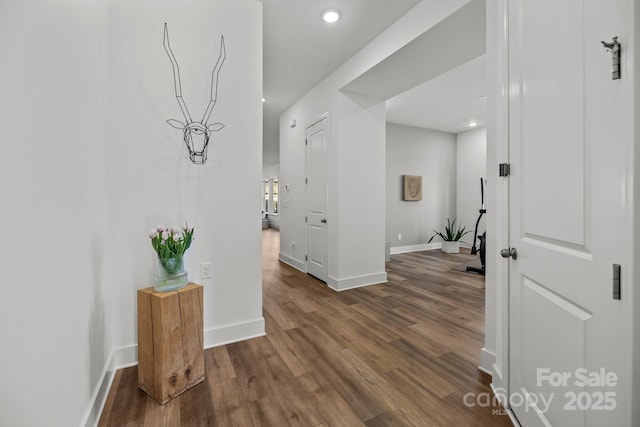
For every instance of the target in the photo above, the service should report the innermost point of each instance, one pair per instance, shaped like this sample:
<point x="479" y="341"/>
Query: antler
<point x="214" y="81"/>
<point x="176" y="76"/>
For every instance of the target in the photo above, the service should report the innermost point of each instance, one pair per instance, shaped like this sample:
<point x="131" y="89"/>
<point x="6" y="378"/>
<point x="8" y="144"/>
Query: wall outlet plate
<point x="205" y="270"/>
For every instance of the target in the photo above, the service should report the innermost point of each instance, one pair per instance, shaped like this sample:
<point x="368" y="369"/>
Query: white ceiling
<point x="300" y="50"/>
<point x="446" y="103"/>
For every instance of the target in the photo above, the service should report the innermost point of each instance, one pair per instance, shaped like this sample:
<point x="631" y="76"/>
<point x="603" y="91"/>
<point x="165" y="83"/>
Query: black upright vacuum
<point x="482" y="238"/>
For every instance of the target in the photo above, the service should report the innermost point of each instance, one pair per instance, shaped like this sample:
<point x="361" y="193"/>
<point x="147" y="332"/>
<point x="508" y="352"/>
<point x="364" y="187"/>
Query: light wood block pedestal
<point x="170" y="341"/>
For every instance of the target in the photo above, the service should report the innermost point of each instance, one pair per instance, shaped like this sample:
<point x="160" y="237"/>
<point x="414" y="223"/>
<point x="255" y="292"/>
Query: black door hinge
<point x="616" y="281"/>
<point x="504" y="169"/>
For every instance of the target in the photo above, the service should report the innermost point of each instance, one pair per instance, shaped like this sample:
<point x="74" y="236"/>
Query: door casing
<point x="314" y="225"/>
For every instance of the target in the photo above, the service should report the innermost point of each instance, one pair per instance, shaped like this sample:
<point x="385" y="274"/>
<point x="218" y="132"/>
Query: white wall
<point x="152" y="180"/>
<point x="472" y="165"/>
<point x="88" y="166"/>
<point x="270" y="171"/>
<point x="55" y="309"/>
<point x="355" y="193"/>
<point x="359" y="186"/>
<point x="432" y="155"/>
<point x="450" y="166"/>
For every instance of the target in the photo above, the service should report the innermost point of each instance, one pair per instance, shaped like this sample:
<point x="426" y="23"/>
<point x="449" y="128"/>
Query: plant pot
<point x="451" y="247"/>
<point x="171" y="275"/>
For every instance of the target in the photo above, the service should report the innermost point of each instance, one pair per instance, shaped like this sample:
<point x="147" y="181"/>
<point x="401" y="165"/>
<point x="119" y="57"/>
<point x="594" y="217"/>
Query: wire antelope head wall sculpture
<point x="196" y="134"/>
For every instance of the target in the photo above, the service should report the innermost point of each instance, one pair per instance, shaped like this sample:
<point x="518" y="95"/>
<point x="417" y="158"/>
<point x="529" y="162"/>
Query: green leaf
<point x="452" y="232"/>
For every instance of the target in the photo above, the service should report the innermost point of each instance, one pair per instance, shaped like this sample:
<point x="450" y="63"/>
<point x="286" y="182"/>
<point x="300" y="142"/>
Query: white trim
<point x="295" y="263"/>
<point x="317" y="120"/>
<point x="356" y="282"/>
<point x="120" y="358"/>
<point x="497" y="194"/>
<point x="234" y="333"/>
<point x="487" y="360"/>
<point x="327" y="132"/>
<point x="99" y="395"/>
<point x="125" y="357"/>
<point x="496" y="376"/>
<point x="484" y="370"/>
<point x="506" y="407"/>
<point x="415" y="248"/>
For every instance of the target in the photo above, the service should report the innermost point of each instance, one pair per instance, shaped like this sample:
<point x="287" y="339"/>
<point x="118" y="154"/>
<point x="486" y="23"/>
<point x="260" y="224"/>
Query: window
<point x="270" y="196"/>
<point x="274" y="195"/>
<point x="265" y="192"/>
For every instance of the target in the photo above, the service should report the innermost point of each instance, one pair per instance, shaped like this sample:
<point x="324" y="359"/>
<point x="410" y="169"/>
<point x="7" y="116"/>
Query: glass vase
<point x="171" y="275"/>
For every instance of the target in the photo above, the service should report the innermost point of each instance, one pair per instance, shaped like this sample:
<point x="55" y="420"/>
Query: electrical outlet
<point x="399" y="236"/>
<point x="205" y="270"/>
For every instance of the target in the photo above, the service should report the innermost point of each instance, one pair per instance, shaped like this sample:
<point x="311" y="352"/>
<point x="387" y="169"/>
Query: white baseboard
<point x="125" y="357"/>
<point x="297" y="264"/>
<point x="234" y="333"/>
<point x="415" y="248"/>
<point x="487" y="360"/>
<point x="497" y="374"/>
<point x="120" y="358"/>
<point x="356" y="282"/>
<point x="505" y="405"/>
<point x="99" y="395"/>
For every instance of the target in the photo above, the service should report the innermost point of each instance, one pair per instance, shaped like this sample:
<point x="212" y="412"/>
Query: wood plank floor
<point x="403" y="353"/>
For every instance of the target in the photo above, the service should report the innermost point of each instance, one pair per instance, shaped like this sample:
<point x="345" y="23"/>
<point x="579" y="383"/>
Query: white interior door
<point x="316" y="141"/>
<point x="570" y="135"/>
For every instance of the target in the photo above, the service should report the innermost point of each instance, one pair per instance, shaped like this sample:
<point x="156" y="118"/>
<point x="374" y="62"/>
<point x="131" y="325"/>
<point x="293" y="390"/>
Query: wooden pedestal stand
<point x="170" y="341"/>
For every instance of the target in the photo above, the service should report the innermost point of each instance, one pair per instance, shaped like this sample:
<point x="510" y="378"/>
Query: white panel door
<point x="316" y="140"/>
<point x="569" y="131"/>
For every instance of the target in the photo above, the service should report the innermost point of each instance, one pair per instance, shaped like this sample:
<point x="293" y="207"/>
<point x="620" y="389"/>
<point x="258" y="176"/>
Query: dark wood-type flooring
<point x="403" y="353"/>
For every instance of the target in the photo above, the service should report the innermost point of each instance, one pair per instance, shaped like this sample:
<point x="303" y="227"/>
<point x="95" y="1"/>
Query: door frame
<point x="497" y="278"/>
<point x="306" y="188"/>
<point x="497" y="274"/>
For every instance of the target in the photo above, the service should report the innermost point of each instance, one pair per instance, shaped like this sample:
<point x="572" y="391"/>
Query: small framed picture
<point x="412" y="186"/>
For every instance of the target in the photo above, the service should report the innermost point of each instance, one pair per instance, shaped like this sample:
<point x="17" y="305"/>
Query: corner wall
<point x="356" y="194"/>
<point x="151" y="178"/>
<point x="432" y="155"/>
<point x="88" y="165"/>
<point x="472" y="165"/>
<point x="56" y="309"/>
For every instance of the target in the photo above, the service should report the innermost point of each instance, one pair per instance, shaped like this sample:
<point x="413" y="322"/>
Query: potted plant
<point x="451" y="237"/>
<point x="170" y="244"/>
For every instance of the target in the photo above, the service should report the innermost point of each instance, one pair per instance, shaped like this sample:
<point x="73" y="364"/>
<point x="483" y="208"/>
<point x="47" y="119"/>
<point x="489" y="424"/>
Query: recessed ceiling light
<point x="264" y="99"/>
<point x="473" y="124"/>
<point x="331" y="15"/>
